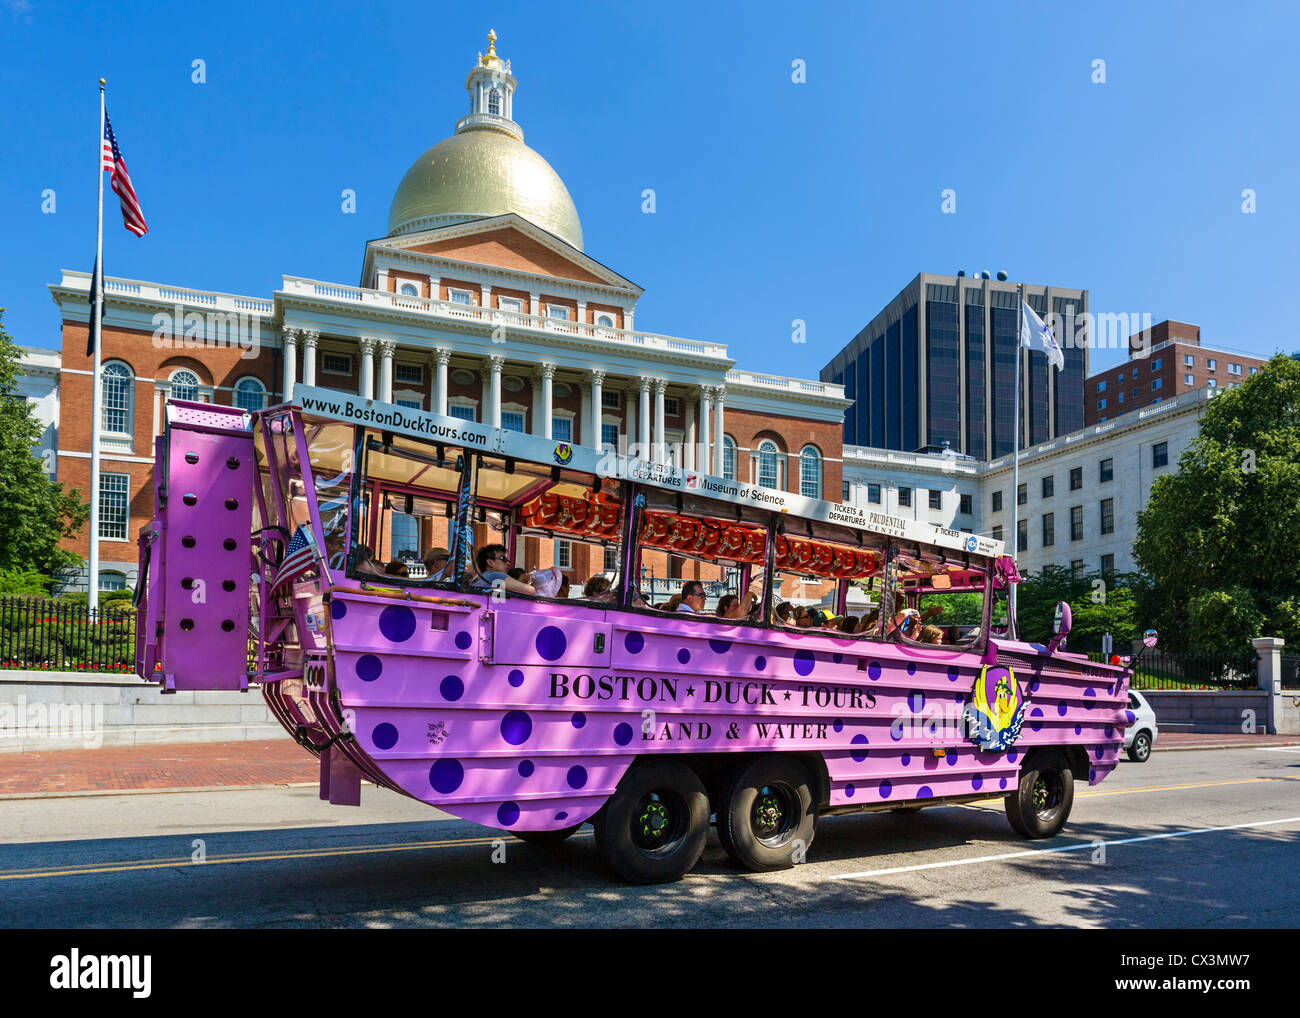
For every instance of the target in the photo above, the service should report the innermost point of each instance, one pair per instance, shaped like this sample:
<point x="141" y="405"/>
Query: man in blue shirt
<point x="692" y="597"/>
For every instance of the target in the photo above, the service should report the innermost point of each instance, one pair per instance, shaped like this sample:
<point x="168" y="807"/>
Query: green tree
<point x="1098" y="604"/>
<point x="1228" y="522"/>
<point x="36" y="513"/>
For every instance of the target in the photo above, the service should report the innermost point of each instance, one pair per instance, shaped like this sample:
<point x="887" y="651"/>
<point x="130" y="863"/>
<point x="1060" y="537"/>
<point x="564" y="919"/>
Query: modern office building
<point x="1165" y="360"/>
<point x="937" y="366"/>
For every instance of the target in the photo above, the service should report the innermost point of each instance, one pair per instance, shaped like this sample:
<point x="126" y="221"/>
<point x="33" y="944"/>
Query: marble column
<point x="719" y="446"/>
<point x="597" y="399"/>
<point x="441" y="358"/>
<point x="290" y="365"/>
<point x="660" y="446"/>
<point x="548" y="397"/>
<point x="367" y="367"/>
<point x="310" y="337"/>
<point x="706" y="465"/>
<point x="688" y="442"/>
<point x="495" y="363"/>
<point x="643" y="435"/>
<point x="386" y="349"/>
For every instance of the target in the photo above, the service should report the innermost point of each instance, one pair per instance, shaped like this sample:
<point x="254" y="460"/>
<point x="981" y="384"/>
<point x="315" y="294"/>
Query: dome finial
<point x="490" y="58"/>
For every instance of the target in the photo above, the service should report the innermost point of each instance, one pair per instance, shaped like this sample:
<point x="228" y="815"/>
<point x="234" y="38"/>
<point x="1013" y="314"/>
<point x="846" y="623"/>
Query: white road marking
<point x="1281" y="749"/>
<point x="1062" y="848"/>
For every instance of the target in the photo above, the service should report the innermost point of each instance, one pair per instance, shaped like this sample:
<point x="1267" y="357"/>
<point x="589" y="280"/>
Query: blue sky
<point x="775" y="200"/>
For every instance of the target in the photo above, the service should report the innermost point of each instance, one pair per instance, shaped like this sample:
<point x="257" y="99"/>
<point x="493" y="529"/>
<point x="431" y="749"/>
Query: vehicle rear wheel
<point x="1140" y="751"/>
<point x="767" y="814"/>
<point x="1040" y="806"/>
<point x="547" y="837"/>
<point x="653" y="828"/>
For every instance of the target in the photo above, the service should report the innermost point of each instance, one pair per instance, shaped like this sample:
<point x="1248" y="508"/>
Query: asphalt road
<point x="1207" y="839"/>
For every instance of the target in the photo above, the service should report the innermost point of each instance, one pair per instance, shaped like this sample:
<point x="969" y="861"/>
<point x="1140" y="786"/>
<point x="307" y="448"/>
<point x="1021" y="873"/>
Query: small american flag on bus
<point x="299" y="558"/>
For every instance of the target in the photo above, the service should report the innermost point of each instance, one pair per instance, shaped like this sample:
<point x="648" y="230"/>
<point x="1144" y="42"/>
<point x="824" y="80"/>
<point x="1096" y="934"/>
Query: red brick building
<point x="1164" y="360"/>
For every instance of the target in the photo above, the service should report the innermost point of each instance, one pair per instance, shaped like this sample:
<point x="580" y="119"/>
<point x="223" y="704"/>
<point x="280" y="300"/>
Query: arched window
<point x="185" y="385"/>
<point x="810" y="472"/>
<point x="494" y="101"/>
<point x="605" y="321"/>
<point x="117" y="399"/>
<point x="111" y="579"/>
<point x="728" y="457"/>
<point x="767" y="464"/>
<point x="409" y="290"/>
<point x="250" y="394"/>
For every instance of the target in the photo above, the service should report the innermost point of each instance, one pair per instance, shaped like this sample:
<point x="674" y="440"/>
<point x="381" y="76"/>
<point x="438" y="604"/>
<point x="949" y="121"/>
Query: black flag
<point x="96" y="281"/>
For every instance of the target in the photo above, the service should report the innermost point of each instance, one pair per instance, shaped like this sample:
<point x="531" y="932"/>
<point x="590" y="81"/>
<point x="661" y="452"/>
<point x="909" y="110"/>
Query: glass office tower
<point x="938" y="365"/>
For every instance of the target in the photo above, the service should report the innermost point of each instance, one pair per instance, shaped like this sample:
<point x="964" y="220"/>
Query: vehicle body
<point x="535" y="715"/>
<point x="1140" y="735"/>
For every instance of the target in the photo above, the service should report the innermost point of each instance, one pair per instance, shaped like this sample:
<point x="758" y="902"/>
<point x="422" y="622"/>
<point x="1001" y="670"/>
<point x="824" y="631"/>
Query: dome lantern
<point x="491" y="89"/>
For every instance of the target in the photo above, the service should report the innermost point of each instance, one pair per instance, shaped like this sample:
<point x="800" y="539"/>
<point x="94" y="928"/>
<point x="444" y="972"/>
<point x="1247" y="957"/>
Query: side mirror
<point x="1150" y="637"/>
<point x="1061" y="624"/>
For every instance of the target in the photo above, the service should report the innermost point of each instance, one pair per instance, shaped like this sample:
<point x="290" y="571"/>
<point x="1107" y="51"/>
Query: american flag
<point x="300" y="557"/>
<point x="120" y="181"/>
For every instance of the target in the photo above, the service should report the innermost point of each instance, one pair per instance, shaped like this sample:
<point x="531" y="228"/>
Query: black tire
<point x="653" y="828"/>
<point x="1040" y="805"/>
<point x="547" y="837"/>
<point x="767" y="814"/>
<point x="1140" y="751"/>
<point x="906" y="809"/>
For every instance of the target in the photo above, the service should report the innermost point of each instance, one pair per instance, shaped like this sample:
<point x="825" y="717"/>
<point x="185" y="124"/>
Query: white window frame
<point x="198" y="385"/>
<point x="462" y="401"/>
<point x="397" y="373"/>
<point x="611" y="399"/>
<point x="821" y="470"/>
<point x="126" y="506"/>
<point x="728" y="443"/>
<point x="455" y="292"/>
<point x="129" y="383"/>
<point x="402" y="284"/>
<point x="672" y="406"/>
<point x="1234" y="369"/>
<point x="1189" y="360"/>
<point x="562" y="415"/>
<point x="548" y="311"/>
<point x="515" y="408"/>
<point x="598" y="315"/>
<point x="563" y="552"/>
<point x="324" y="363"/>
<point x="1189" y="379"/>
<point x="1212" y="364"/>
<point x="610" y="420"/>
<point x="756" y="462"/>
<point x="261" y="389"/>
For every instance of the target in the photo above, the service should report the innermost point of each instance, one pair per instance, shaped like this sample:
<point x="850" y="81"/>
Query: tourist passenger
<point x="782" y="614"/>
<point x="563" y="592"/>
<point x="672" y="603"/>
<point x="396" y="568"/>
<point x="597" y="588"/>
<point x="493" y="569"/>
<point x="692" y="597"/>
<point x="931" y="634"/>
<point x="435" y="562"/>
<point x="850" y="625"/>
<point x="363" y="560"/>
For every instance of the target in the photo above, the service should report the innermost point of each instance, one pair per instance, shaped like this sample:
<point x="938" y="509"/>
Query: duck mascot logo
<point x="996" y="711"/>
<point x="563" y="453"/>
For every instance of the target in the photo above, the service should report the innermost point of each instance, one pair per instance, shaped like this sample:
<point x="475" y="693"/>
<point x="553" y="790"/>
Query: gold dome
<point x="481" y="173"/>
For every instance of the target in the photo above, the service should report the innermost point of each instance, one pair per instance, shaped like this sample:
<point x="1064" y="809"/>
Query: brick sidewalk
<point x="170" y="765"/>
<point x="283" y="762"/>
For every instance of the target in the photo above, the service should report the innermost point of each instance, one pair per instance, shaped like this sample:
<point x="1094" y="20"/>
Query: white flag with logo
<point x="1037" y="336"/>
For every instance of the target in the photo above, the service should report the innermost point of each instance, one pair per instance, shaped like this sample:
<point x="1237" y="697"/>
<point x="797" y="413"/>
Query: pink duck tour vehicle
<point x="513" y="704"/>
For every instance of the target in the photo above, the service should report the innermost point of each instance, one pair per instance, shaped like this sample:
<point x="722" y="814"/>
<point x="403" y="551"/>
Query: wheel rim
<point x="1047" y="795"/>
<point x="1142" y="745"/>
<point x="775" y="814"/>
<point x="659" y="822"/>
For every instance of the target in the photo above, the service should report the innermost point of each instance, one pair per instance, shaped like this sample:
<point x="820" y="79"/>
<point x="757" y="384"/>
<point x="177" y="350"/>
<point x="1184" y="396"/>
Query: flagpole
<point x="96" y="329"/>
<point x="1015" y="459"/>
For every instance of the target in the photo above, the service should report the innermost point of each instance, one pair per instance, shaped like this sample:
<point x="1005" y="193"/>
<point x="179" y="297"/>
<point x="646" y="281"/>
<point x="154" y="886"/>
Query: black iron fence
<point x="1160" y="670"/>
<point x="39" y="633"/>
<point x="1291" y="671"/>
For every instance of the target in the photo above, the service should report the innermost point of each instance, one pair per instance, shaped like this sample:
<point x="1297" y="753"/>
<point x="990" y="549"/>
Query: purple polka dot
<point x="804" y="662"/>
<point x="719" y="646"/>
<point x="338" y="609"/>
<point x="838" y="725"/>
<point x="369" y="667"/>
<point x="622" y="733"/>
<point x="1109" y="731"/>
<point x="1092" y="774"/>
<point x="1061" y="709"/>
<point x="446" y="776"/>
<point x="916" y="701"/>
<point x="873" y="671"/>
<point x="1130" y="716"/>
<point x="463" y="640"/>
<point x="633" y="643"/>
<point x="952" y="675"/>
<point x="896" y="732"/>
<point x="1033" y="686"/>
<point x="452" y="688"/>
<point x="760" y="663"/>
<point x="837" y="657"/>
<point x="578" y="720"/>
<point x="886" y="788"/>
<point x="577" y="777"/>
<point x="525" y="768"/>
<point x="1090" y="692"/>
<point x="1013" y="756"/>
<point x="683" y="656"/>
<point x="397" y="623"/>
<point x="924" y="792"/>
<point x="950" y="758"/>
<point x="562" y="815"/>
<point x="848" y="791"/>
<point x="508" y="814"/>
<point x="1037" y="712"/>
<point x="551" y="643"/>
<point x="384" y="736"/>
<point x="859" y="740"/>
<point x="905" y="759"/>
<point x="977" y="782"/>
<point x="1101" y="751"/>
<point x="1002" y="782"/>
<point x="1078" y="730"/>
<point x="515" y="678"/>
<point x="911" y="668"/>
<point x="516" y="726"/>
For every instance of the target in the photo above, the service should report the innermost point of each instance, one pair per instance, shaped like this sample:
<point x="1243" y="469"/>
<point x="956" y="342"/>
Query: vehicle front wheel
<point x="654" y="826"/>
<point x="766" y="817"/>
<point x="1140" y="751"/>
<point x="1040" y="806"/>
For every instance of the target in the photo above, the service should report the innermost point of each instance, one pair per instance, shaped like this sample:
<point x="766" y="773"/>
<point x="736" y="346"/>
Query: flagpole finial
<point x="102" y="82"/>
